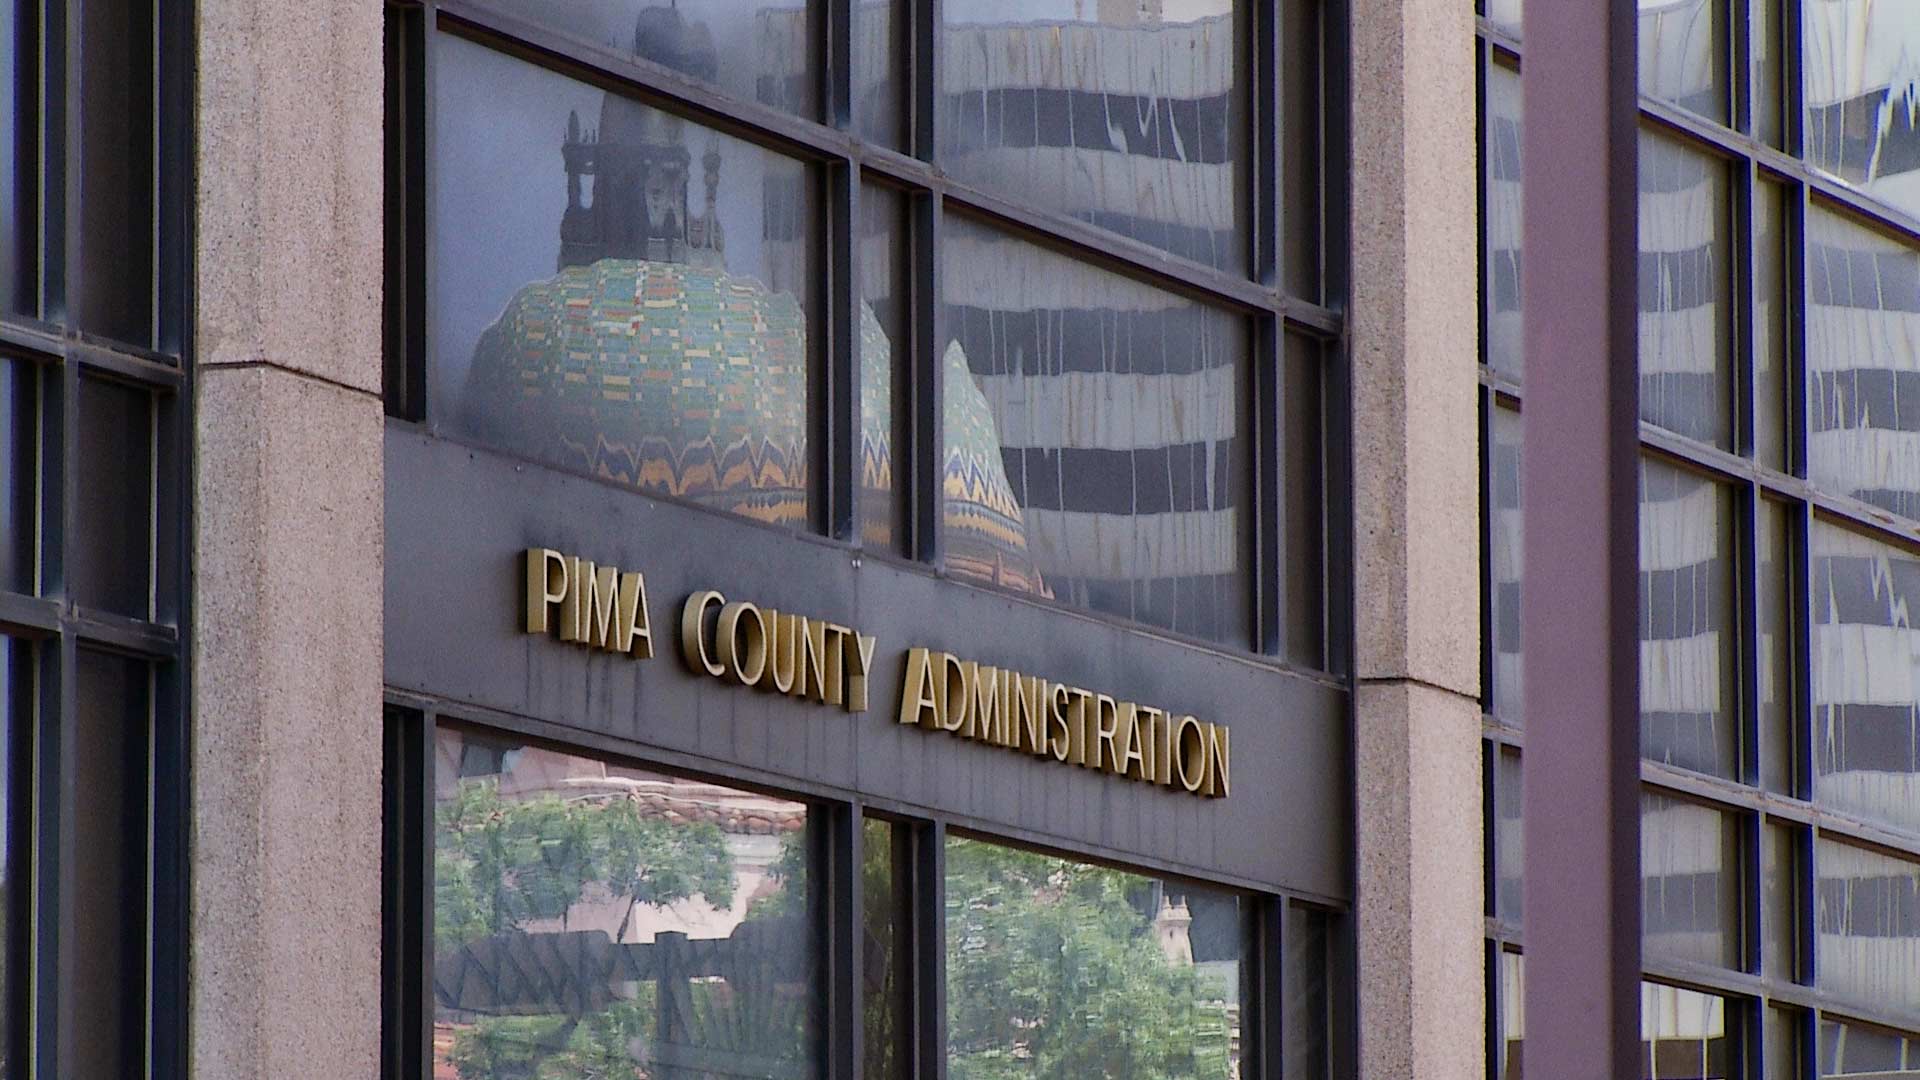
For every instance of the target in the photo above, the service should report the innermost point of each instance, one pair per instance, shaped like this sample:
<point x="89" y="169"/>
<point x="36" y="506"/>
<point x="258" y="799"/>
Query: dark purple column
<point x="1581" y="521"/>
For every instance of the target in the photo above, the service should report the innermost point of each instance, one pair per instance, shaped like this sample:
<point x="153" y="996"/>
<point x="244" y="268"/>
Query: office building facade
<point x="886" y="539"/>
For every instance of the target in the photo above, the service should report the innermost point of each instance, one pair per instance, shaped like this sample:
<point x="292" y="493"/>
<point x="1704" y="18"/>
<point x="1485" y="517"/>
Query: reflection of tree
<point x="500" y="863"/>
<point x="1052" y="972"/>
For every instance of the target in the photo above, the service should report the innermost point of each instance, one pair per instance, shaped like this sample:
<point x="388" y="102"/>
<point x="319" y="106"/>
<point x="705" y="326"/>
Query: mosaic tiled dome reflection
<point x="690" y="381"/>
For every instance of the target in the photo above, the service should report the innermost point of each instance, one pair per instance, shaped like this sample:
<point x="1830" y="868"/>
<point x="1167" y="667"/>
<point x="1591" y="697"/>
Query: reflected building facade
<point x="1779" y="704"/>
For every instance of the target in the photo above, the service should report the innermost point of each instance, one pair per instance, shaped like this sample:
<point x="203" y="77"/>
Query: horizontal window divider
<point x="122" y="634"/>
<point x="1705" y="978"/>
<point x="1501" y="733"/>
<point x="1500" y="39"/>
<point x="1503" y="932"/>
<point x="32" y="337"/>
<point x="95" y="357"/>
<point x="656" y="85"/>
<point x="1850" y="1011"/>
<point x="28" y="616"/>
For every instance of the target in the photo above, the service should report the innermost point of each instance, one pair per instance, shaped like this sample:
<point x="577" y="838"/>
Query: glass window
<point x="20" y="438"/>
<point x="1513" y="1011"/>
<point x="592" y="919"/>
<point x="1058" y="969"/>
<point x="1866" y="677"/>
<point x="1128" y="116"/>
<point x="1306" y="999"/>
<point x="1689" y="881"/>
<point x="1689" y="699"/>
<point x="1777" y="723"/>
<point x="18" y="211"/>
<point x="1093" y="426"/>
<point x="1686" y="342"/>
<point x="1769" y="88"/>
<point x="1862" y="301"/>
<point x="16" y="838"/>
<point x="887" y="995"/>
<point x="113" y="294"/>
<point x="1786" y="1043"/>
<point x="107" y="950"/>
<point x="1686" y="1033"/>
<point x="1780" y="906"/>
<point x="1872" y="1053"/>
<point x="1683" y="55"/>
<point x="1867" y="922"/>
<point x="1771" y="304"/>
<point x="1504" y="566"/>
<point x="110" y="552"/>
<point x="1500" y="169"/>
<point x="668" y="350"/>
<point x="1509" y="837"/>
<point x="884" y="349"/>
<point x="1854" y="69"/>
<point x="755" y="50"/>
<point x="880" y="31"/>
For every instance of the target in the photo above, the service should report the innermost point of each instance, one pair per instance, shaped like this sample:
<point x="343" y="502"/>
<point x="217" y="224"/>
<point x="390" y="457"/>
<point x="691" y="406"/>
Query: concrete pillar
<point x="285" y="922"/>
<point x="1414" y="333"/>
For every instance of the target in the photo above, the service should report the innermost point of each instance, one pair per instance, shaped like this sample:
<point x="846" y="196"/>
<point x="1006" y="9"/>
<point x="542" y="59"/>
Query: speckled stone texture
<point x="285" y="932"/>
<point x="1414" y="327"/>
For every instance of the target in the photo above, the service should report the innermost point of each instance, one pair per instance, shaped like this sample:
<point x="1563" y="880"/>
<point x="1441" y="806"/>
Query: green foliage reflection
<point x="1054" y="972"/>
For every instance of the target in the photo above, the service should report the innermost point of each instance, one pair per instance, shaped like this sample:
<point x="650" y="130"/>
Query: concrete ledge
<point x="285" y="920"/>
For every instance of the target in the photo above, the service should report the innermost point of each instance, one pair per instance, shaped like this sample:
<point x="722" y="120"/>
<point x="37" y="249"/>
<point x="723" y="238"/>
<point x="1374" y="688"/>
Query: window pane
<point x="1769" y="88"/>
<point x="19" y="212"/>
<point x="1061" y="969"/>
<point x="755" y="50"/>
<point x="1688" y="698"/>
<point x="1500" y="162"/>
<point x="1513" y="1013"/>
<point x="669" y="350"/>
<point x="887" y="996"/>
<point x="880" y="29"/>
<point x="1302" y="471"/>
<point x="107" y="951"/>
<point x="1867" y="916"/>
<point x="1869" y="1052"/>
<point x="1690" y="881"/>
<point x="592" y="919"/>
<point x="1686" y="344"/>
<point x="109" y="553"/>
<point x="1509" y="838"/>
<point x="1685" y="1033"/>
<point x="1854" y="65"/>
<point x="1683" y="55"/>
<point x="1863" y="370"/>
<point x="19" y="438"/>
<point x="16" y="837"/>
<point x="1120" y="115"/>
<point x="1305" y="999"/>
<point x="1504" y="564"/>
<point x="884" y="351"/>
<point x="1866" y="677"/>
<point x="1780" y="915"/>
<point x="1771" y="303"/>
<point x="1093" y="437"/>
<point x="1777" y="723"/>
<point x="113" y="289"/>
<point x="1785" y="1044"/>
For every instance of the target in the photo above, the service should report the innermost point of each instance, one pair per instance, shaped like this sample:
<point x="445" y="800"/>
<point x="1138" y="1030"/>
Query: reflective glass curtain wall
<point x="93" y="472"/>
<point x="1780" y="530"/>
<point x="1041" y="299"/>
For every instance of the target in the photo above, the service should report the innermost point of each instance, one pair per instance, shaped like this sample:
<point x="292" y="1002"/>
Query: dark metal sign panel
<point x="459" y="523"/>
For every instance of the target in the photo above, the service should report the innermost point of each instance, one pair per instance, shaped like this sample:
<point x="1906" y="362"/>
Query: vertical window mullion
<point x="840" y="369"/>
<point x="930" y="952"/>
<point x="928" y="457"/>
<point x="55" y="191"/>
<point x="843" y="902"/>
<point x="54" y="795"/>
<point x="1264" y="415"/>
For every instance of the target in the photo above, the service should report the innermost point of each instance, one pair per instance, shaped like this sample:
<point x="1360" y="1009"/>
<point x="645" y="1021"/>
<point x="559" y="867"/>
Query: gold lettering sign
<point x="778" y="652"/>
<point x="1029" y="715"/>
<point x="600" y="607"/>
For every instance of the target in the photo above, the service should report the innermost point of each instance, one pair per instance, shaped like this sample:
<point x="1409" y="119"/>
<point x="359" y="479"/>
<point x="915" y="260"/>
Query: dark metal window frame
<point x="835" y="902"/>
<point x="44" y="615"/>
<point x="1752" y="993"/>
<point x="843" y="161"/>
